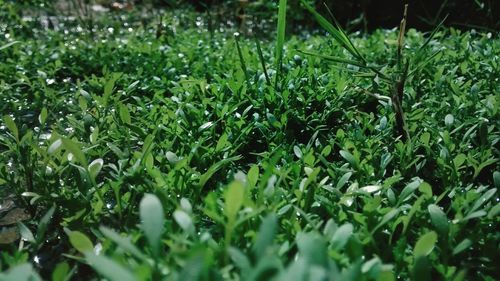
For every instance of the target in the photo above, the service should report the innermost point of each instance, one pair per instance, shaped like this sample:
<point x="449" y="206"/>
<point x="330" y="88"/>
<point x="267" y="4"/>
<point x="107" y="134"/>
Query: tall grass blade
<point x="336" y="32"/>
<point x="262" y="61"/>
<point x="242" y="60"/>
<point x="280" y="40"/>
<point x="344" y="34"/>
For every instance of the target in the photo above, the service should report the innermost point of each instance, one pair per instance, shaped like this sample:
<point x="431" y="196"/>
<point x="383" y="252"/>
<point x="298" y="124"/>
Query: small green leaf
<point x="54" y="146"/>
<point x="109" y="269"/>
<point x="494" y="211"/>
<point x="459" y="160"/>
<point x="122" y="242"/>
<point x="43" y="223"/>
<point x="25" y="232"/>
<point x="95" y="167"/>
<point x="496" y="179"/>
<point x="425" y="244"/>
<point x="448" y="120"/>
<point x="253" y="175"/>
<point x="425" y="137"/>
<point x="73" y="148"/>
<point x="172" y="157"/>
<point x="343" y="180"/>
<point x="462" y="246"/>
<point x="439" y="219"/>
<point x="426" y="189"/>
<point x="61" y="272"/>
<point x="125" y="114"/>
<point x="265" y="237"/>
<point x="205" y="126"/>
<point x="297" y="152"/>
<point x="408" y="190"/>
<point x="474" y="215"/>
<point x="371" y="188"/>
<point x="341" y="236"/>
<point x="11" y="125"/>
<point x="214" y="168"/>
<point x="184" y="221"/>
<point x="349" y="158"/>
<point x="234" y="199"/>
<point x="152" y="219"/>
<point x="483" y="199"/>
<point x="386" y="218"/>
<point x="222" y="142"/>
<point x="43" y="116"/>
<point x="80" y="242"/>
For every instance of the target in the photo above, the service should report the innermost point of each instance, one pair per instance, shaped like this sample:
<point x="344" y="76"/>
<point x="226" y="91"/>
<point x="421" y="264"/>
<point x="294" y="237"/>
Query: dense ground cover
<point x="129" y="155"/>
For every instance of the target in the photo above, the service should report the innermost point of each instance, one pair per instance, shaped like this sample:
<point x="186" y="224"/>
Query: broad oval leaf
<point x="371" y="188"/>
<point x="462" y="246"/>
<point x="95" y="167"/>
<point x="483" y="199"/>
<point x="80" y="242"/>
<point x="425" y="244"/>
<point x="496" y="179"/>
<point x="408" y="190"/>
<point x="125" y="114"/>
<point x="152" y="219"/>
<point x="184" y="220"/>
<point x="54" y="146"/>
<point x="234" y="199"/>
<point x="253" y="176"/>
<point x="61" y="272"/>
<point x="43" y="116"/>
<point x="297" y="152"/>
<point x="343" y="180"/>
<point x="73" y="148"/>
<point x="439" y="219"/>
<point x="25" y="232"/>
<point x="448" y="120"/>
<point x="349" y="158"/>
<point x="341" y="236"/>
<point x="11" y="125"/>
<point x="386" y="218"/>
<point x="205" y="126"/>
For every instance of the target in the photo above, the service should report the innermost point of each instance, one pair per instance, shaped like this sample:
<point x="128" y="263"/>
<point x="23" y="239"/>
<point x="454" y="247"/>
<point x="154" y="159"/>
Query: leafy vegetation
<point x="191" y="154"/>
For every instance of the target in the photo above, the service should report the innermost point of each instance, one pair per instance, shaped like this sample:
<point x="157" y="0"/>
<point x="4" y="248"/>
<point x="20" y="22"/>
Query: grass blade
<point x="242" y="60"/>
<point x="336" y="32"/>
<point x="262" y="61"/>
<point x="280" y="40"/>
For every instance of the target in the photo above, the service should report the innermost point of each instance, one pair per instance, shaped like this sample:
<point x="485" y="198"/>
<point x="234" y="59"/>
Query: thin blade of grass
<point x="335" y="32"/>
<point x="262" y="61"/>
<point x="433" y="33"/>
<point x="351" y="62"/>
<point x="343" y="33"/>
<point x="334" y="59"/>
<point x="424" y="63"/>
<point x="9" y="44"/>
<point x="280" y="40"/>
<point x="242" y="60"/>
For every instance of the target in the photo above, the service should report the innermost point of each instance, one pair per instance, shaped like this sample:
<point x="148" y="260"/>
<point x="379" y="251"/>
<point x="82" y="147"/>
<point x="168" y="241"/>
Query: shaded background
<point x="371" y="14"/>
<point x="363" y="15"/>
